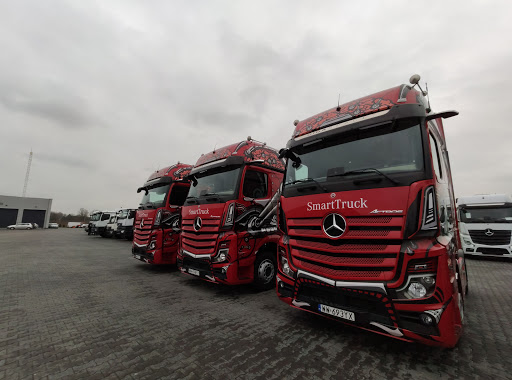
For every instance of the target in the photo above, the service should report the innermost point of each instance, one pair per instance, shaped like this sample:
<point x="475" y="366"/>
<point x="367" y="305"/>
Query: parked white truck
<point x="125" y="218"/>
<point x="100" y="226"/>
<point x="485" y="223"/>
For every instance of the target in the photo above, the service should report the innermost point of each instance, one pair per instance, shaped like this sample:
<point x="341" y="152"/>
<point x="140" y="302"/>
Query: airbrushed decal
<point x="347" y="111"/>
<point x="269" y="156"/>
<point x="217" y="154"/>
<point x="249" y="150"/>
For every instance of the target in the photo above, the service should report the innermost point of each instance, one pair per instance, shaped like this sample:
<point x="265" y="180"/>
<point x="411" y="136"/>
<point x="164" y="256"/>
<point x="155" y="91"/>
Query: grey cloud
<point x="64" y="160"/>
<point x="66" y="115"/>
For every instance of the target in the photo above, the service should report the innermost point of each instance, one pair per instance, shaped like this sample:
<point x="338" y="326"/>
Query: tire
<point x="12" y="228"/>
<point x="29" y="228"/>
<point x="265" y="269"/>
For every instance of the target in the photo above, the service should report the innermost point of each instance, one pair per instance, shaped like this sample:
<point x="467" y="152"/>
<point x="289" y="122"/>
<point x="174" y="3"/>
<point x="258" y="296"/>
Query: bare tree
<point x="83" y="214"/>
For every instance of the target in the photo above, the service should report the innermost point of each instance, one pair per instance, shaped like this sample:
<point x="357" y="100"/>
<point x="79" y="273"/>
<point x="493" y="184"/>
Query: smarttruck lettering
<point x="229" y="233"/>
<point x="157" y="221"/>
<point x="337" y="204"/>
<point x="383" y="253"/>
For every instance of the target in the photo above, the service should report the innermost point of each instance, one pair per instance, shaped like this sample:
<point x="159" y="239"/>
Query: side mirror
<point x="249" y="199"/>
<point x="287" y="153"/>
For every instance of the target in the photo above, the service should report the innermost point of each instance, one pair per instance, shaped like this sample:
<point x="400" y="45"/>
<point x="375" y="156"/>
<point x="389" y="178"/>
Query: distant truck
<point x="125" y="219"/>
<point x="100" y="226"/>
<point x="157" y="221"/>
<point x="74" y="224"/>
<point x="94" y="218"/>
<point x="485" y="223"/>
<point x="229" y="221"/>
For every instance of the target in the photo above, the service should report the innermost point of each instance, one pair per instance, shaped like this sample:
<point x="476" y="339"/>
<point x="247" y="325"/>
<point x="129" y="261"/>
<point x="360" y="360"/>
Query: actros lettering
<point x="386" y="211"/>
<point x="199" y="212"/>
<point x="337" y="204"/>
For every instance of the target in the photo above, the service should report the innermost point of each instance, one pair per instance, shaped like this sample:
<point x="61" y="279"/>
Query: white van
<point x="485" y="223"/>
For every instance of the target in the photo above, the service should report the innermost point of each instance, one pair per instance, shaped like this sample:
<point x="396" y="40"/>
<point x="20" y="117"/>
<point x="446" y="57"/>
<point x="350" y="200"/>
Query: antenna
<point x="215" y="147"/>
<point x="338" y="108"/>
<point x="428" y="97"/>
<point x="28" y="173"/>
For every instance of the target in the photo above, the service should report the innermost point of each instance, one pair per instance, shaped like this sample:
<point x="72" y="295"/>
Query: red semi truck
<point x="229" y="232"/>
<point x="157" y="221"/>
<point x="368" y="217"/>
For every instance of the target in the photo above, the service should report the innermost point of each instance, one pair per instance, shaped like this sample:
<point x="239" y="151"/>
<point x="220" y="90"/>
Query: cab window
<point x="255" y="184"/>
<point x="436" y="158"/>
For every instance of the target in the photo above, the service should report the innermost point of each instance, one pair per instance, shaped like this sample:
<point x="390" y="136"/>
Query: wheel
<point x="265" y="268"/>
<point x="12" y="228"/>
<point x="29" y="228"/>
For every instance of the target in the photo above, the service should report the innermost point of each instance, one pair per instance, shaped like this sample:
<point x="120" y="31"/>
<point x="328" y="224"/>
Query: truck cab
<point x="229" y="233"/>
<point x="94" y="218"/>
<point x="486" y="224"/>
<point x="157" y="221"/>
<point x="100" y="226"/>
<point x="367" y="213"/>
<point x="125" y="219"/>
<point x="111" y="227"/>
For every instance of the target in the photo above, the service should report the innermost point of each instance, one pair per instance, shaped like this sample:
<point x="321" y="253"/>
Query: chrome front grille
<point x="490" y="237"/>
<point x="200" y="242"/>
<point x="369" y="248"/>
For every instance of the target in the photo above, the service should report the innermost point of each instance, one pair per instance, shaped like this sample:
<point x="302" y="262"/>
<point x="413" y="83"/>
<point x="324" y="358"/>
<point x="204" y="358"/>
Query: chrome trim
<point x="346" y="284"/>
<point x="207" y="256"/>
<point x="302" y="273"/>
<point x="342" y="124"/>
<point x="362" y="286"/>
<point x="140" y="245"/>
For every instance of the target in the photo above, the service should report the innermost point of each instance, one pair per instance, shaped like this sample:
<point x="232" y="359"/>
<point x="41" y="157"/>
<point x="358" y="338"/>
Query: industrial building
<point x="24" y="210"/>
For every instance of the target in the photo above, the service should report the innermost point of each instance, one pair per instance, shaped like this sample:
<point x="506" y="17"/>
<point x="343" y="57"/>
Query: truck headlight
<point x="285" y="266"/>
<point x="221" y="256"/>
<point x="416" y="290"/>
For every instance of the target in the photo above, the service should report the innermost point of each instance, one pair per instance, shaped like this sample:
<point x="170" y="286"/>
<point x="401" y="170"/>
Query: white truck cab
<point x="100" y="226"/>
<point x="111" y="227"/>
<point x="485" y="223"/>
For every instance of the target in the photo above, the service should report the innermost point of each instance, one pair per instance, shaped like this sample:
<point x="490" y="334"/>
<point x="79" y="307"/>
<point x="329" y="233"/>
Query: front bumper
<point x="372" y="306"/>
<point x="487" y="250"/>
<point x="141" y="253"/>
<point x="227" y="272"/>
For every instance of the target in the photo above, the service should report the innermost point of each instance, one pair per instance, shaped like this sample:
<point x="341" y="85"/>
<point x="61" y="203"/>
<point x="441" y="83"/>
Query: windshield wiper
<point x="309" y="179"/>
<point x="191" y="198"/>
<point x="365" y="171"/>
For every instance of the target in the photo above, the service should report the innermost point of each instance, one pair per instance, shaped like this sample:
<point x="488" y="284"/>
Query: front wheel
<point x="265" y="268"/>
<point x="29" y="228"/>
<point x="12" y="228"/>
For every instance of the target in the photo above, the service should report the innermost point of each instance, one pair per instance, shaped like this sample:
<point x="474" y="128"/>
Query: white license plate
<point x="137" y="257"/>
<point x="344" y="314"/>
<point x="194" y="272"/>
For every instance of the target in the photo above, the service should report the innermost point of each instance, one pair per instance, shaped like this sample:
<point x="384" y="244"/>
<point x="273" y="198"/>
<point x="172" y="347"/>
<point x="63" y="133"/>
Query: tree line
<point x="63" y="219"/>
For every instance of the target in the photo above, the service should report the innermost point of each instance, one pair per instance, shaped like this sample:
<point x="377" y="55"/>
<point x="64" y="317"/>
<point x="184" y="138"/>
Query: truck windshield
<point x="155" y="197"/>
<point x="220" y="183"/>
<point x="381" y="151"/>
<point x="122" y="214"/>
<point x="95" y="217"/>
<point x="485" y="214"/>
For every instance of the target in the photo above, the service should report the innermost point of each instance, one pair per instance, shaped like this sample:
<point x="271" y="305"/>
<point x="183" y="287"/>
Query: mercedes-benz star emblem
<point x="489" y="232"/>
<point x="334" y="225"/>
<point x="197" y="224"/>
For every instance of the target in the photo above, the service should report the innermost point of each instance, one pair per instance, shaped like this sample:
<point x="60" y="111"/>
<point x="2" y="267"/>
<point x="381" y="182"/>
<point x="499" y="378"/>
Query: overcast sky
<point x="105" y="92"/>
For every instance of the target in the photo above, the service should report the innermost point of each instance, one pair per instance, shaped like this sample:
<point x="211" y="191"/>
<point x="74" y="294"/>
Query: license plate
<point x="137" y="257"/>
<point x="344" y="314"/>
<point x="194" y="272"/>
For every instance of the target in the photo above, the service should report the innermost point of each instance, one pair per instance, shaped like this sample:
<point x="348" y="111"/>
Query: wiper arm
<point x="364" y="171"/>
<point x="210" y="194"/>
<point x="309" y="179"/>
